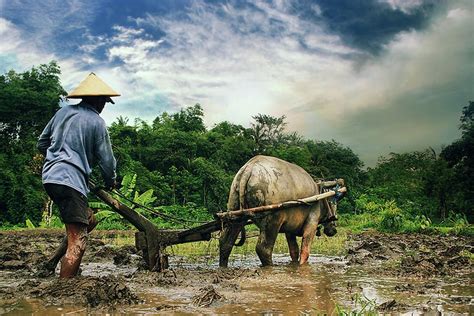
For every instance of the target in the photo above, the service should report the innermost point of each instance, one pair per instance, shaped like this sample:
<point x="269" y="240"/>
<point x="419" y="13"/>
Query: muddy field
<point x="380" y="273"/>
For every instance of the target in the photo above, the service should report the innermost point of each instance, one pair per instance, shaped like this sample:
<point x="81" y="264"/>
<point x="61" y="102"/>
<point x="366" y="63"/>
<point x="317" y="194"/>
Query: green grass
<point x="362" y="306"/>
<point x="333" y="246"/>
<point x="469" y="255"/>
<point x="357" y="223"/>
<point x="119" y="240"/>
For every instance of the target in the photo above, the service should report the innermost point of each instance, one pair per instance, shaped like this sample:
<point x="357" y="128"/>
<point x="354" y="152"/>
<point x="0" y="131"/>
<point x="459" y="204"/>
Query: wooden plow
<point x="153" y="241"/>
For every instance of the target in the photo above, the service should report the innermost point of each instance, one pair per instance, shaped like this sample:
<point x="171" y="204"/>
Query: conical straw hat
<point x="92" y="86"/>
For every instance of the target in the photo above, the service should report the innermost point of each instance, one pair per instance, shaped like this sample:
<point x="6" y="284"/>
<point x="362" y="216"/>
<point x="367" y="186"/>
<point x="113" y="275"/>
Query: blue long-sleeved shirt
<point x="73" y="141"/>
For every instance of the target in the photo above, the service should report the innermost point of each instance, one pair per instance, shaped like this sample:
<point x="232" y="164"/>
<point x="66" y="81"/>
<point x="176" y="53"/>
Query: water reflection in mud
<point x="283" y="290"/>
<point x="321" y="287"/>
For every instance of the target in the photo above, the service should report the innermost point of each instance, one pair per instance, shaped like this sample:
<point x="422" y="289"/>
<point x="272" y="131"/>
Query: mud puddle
<point x="412" y="274"/>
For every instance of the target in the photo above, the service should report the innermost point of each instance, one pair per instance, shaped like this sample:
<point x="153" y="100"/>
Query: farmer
<point x="73" y="141"/>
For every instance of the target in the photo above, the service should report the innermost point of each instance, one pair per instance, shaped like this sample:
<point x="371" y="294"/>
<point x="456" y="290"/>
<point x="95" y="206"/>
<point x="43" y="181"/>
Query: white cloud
<point x="48" y="18"/>
<point x="31" y="44"/>
<point x="13" y="43"/>
<point x="232" y="60"/>
<point x="409" y="98"/>
<point x="25" y="54"/>
<point x="240" y="61"/>
<point x="10" y="36"/>
<point x="237" y="64"/>
<point x="133" y="53"/>
<point x="125" y="34"/>
<point x="404" y="5"/>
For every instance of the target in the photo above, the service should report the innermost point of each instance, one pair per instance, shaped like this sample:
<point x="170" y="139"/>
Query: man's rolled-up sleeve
<point x="44" y="141"/>
<point x="106" y="159"/>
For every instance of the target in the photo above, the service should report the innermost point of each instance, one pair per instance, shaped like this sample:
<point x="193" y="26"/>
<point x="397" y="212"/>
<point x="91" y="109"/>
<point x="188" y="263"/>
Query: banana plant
<point x="128" y="193"/>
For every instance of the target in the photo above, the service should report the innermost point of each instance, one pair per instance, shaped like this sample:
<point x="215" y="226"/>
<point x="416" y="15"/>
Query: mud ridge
<point x="87" y="291"/>
<point x="412" y="254"/>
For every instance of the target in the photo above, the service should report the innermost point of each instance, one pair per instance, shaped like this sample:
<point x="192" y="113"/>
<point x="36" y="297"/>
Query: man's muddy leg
<point x="76" y="245"/>
<point x="92" y="220"/>
<point x="50" y="266"/>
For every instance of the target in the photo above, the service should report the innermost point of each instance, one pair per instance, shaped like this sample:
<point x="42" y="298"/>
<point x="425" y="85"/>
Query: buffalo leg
<point x="265" y="243"/>
<point x="293" y="247"/>
<point x="227" y="241"/>
<point x="308" y="236"/>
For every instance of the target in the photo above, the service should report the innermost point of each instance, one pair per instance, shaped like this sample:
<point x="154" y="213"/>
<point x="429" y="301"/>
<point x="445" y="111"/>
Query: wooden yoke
<point x="232" y="215"/>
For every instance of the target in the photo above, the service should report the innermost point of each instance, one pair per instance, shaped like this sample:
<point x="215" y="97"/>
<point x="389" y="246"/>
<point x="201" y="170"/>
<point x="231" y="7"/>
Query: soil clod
<point x="90" y="291"/>
<point x="391" y="305"/>
<point x="206" y="296"/>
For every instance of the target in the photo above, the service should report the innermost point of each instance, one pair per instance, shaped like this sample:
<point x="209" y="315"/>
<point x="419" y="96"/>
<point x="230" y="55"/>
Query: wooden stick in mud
<point x="274" y="207"/>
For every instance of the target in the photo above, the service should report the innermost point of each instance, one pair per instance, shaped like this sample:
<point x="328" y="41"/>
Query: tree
<point x="267" y="131"/>
<point x="27" y="101"/>
<point x="460" y="157"/>
<point x="213" y="183"/>
<point x="298" y="155"/>
<point x="460" y="154"/>
<point x="419" y="182"/>
<point x="438" y="179"/>
<point x="329" y="159"/>
<point x="189" y="119"/>
<point x="229" y="146"/>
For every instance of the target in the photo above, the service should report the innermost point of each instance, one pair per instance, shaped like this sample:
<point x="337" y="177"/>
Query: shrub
<point x="392" y="217"/>
<point x="358" y="222"/>
<point x="458" y="222"/>
<point x="190" y="215"/>
<point x="419" y="223"/>
<point x="114" y="222"/>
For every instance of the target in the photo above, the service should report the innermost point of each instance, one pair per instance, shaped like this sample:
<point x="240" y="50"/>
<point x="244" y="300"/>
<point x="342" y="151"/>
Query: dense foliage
<point x="177" y="165"/>
<point x="459" y="158"/>
<point x="183" y="162"/>
<point x="27" y="101"/>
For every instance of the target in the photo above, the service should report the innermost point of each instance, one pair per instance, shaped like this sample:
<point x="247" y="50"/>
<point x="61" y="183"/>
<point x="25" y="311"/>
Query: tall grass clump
<point x="392" y="219"/>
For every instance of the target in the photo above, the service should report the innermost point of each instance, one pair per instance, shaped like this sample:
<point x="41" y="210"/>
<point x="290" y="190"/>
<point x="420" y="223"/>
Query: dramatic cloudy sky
<point x="375" y="75"/>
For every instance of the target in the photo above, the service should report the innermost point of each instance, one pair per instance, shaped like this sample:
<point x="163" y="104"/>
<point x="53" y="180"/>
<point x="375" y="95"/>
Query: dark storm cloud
<point x="413" y="121"/>
<point x="366" y="24"/>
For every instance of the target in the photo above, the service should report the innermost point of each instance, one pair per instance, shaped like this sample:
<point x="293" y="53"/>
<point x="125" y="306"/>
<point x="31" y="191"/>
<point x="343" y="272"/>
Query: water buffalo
<point x="267" y="180"/>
